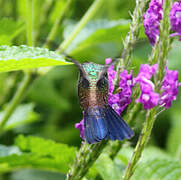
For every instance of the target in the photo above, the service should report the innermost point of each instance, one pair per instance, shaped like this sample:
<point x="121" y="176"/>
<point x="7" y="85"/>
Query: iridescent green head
<point x="93" y="76"/>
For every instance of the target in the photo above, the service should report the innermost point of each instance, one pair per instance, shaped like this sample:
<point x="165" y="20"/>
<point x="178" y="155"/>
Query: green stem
<point x="130" y="39"/>
<point x="163" y="46"/>
<point x="89" y="14"/>
<point x="86" y="156"/>
<point x="28" y="76"/>
<point x="16" y="100"/>
<point x="143" y="139"/>
<point x="114" y="148"/>
<point x="30" y="22"/>
<point x="43" y="18"/>
<point x="58" y="21"/>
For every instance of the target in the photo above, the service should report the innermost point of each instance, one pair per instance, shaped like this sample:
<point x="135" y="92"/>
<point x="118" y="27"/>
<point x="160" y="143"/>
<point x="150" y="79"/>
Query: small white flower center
<point x="115" y="106"/>
<point x="178" y="14"/>
<point x="146" y="97"/>
<point x="129" y="82"/>
<point x="164" y="97"/>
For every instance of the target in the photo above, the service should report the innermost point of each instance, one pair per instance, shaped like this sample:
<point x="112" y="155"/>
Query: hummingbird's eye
<point x="83" y="82"/>
<point x="102" y="83"/>
<point x="106" y="75"/>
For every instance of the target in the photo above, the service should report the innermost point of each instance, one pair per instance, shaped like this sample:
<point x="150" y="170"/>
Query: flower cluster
<point x="153" y="16"/>
<point x="170" y="88"/>
<point x="175" y="18"/>
<point x="148" y="97"/>
<point x="152" y="19"/>
<point x="120" y="100"/>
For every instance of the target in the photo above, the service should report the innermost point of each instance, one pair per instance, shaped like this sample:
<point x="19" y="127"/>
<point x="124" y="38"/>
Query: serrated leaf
<point x="9" y="30"/>
<point x="24" y="57"/>
<point x="22" y="115"/>
<point x="39" y="153"/>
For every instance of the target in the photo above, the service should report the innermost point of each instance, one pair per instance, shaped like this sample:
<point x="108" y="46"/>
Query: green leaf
<point x="38" y="153"/>
<point x="154" y="164"/>
<point x="106" y="168"/>
<point x="9" y="30"/>
<point x="167" y="169"/>
<point x="98" y="39"/>
<point x="23" y="57"/>
<point x="22" y="115"/>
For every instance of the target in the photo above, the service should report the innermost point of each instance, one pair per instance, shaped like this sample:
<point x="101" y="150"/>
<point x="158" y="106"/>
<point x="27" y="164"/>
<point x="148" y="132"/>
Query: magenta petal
<point x="80" y="127"/>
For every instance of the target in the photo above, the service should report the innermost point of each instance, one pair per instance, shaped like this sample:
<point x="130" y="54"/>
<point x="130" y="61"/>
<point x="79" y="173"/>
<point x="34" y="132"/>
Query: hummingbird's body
<point x="91" y="95"/>
<point x="100" y="120"/>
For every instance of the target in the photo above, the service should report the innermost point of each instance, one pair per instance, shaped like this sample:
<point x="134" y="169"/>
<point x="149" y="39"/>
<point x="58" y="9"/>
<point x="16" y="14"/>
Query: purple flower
<point x="175" y="19"/>
<point x="170" y="88"/>
<point x="148" y="97"/>
<point x="80" y="127"/>
<point x="120" y="100"/>
<point x="152" y="19"/>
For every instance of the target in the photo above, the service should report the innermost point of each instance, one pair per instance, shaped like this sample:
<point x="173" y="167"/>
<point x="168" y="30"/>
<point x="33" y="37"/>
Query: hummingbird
<point x="100" y="120"/>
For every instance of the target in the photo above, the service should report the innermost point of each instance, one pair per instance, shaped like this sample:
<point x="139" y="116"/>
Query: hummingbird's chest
<point x="92" y="97"/>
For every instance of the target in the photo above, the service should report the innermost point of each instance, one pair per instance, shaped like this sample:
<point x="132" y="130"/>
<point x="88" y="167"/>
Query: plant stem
<point x="58" y="21"/>
<point x="43" y="18"/>
<point x="130" y="39"/>
<point x="163" y="49"/>
<point x="164" y="44"/>
<point x="86" y="156"/>
<point x="143" y="139"/>
<point x="30" y="22"/>
<point x="115" y="148"/>
<point x="28" y="76"/>
<point x="88" y="15"/>
<point x="16" y="100"/>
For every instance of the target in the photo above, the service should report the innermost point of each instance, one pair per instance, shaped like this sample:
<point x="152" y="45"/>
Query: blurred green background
<point x="50" y="108"/>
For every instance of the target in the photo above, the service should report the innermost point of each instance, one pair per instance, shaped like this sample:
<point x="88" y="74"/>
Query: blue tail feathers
<point x="104" y="123"/>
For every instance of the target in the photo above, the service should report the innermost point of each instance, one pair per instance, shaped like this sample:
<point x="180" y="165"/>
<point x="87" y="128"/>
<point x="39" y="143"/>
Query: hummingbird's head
<point x="93" y="76"/>
<point x="93" y="84"/>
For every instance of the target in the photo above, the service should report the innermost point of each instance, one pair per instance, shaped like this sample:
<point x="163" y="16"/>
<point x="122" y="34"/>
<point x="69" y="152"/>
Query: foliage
<point x="37" y="153"/>
<point x="37" y="135"/>
<point x="23" y="57"/>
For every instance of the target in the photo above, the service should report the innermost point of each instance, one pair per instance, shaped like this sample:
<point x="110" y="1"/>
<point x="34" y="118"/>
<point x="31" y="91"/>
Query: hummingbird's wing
<point x="117" y="127"/>
<point x="104" y="123"/>
<point x="95" y="124"/>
